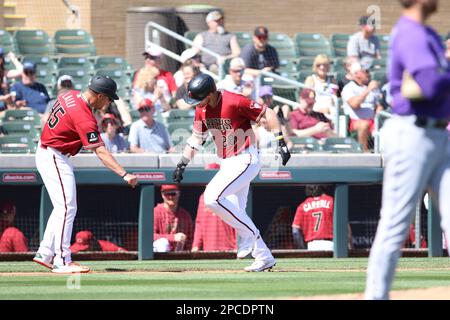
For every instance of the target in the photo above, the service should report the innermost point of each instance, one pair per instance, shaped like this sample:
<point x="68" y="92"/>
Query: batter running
<point x="70" y="127"/>
<point x="227" y="116"/>
<point x="416" y="144"/>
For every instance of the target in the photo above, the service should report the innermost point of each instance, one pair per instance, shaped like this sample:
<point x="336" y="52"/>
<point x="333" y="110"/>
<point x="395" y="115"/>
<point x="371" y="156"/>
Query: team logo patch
<point x="254" y="105"/>
<point x="92" y="137"/>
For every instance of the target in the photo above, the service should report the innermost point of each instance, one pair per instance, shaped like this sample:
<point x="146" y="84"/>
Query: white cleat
<point x="39" y="258"/>
<point x="261" y="265"/>
<point x="69" y="268"/>
<point x="246" y="247"/>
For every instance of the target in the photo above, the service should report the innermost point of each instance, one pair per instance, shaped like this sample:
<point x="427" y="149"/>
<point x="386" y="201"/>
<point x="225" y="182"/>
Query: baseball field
<point x="305" y="278"/>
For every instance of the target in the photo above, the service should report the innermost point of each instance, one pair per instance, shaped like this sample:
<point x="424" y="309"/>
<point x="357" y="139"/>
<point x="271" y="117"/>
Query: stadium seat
<point x="17" y="144"/>
<point x="243" y="38"/>
<point x="305" y="63"/>
<point x="180" y="126"/>
<point x="384" y="44"/>
<point x="305" y="145"/>
<point x="380" y="64"/>
<point x="74" y="42"/>
<point x="191" y="34"/>
<point x="34" y="42"/>
<point x="284" y="45"/>
<point x="288" y="69"/>
<point x="7" y="41"/>
<point x="47" y="78"/>
<point x="81" y="63"/>
<point x="29" y="115"/>
<point x="21" y="128"/>
<point x="312" y="44"/>
<point x="42" y="63"/>
<point x="342" y="145"/>
<point x="112" y="62"/>
<point x="177" y="115"/>
<point x="303" y="74"/>
<point x="379" y="75"/>
<point x="339" y="44"/>
<point x="338" y="64"/>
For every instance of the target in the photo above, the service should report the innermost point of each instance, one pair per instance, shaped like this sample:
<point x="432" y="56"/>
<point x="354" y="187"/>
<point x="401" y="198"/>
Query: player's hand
<point x="373" y="85"/>
<point x="180" y="236"/>
<point x="283" y="151"/>
<point x="131" y="179"/>
<point x="322" y="127"/>
<point x="177" y="175"/>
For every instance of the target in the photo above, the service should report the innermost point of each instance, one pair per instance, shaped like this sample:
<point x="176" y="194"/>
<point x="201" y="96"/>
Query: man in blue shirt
<point x="148" y="135"/>
<point x="28" y="92"/>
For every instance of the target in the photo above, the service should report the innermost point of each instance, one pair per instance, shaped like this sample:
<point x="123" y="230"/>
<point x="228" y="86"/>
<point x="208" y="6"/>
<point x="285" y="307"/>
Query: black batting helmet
<point x="104" y="85"/>
<point x="199" y="88"/>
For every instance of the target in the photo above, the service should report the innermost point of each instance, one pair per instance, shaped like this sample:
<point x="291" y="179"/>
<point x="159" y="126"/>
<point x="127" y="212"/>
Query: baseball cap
<point x="169" y="187"/>
<point x="261" y="32"/>
<point x="7" y="207"/>
<point x="363" y="20"/>
<point x="29" y="66"/>
<point x="214" y="16"/>
<point x="265" y="91"/>
<point x="145" y="103"/>
<point x="152" y="51"/>
<point x="308" y="95"/>
<point x="65" y="77"/>
<point x="212" y="166"/>
<point x="82" y="241"/>
<point x="237" y="63"/>
<point x="110" y="116"/>
<point x="188" y="54"/>
<point x="104" y="85"/>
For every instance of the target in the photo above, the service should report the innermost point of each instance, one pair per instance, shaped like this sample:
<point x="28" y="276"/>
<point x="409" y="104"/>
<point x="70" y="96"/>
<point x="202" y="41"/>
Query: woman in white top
<point x="320" y="80"/>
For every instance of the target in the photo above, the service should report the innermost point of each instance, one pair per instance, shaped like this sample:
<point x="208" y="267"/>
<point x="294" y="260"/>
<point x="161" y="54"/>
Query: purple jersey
<point x="416" y="47"/>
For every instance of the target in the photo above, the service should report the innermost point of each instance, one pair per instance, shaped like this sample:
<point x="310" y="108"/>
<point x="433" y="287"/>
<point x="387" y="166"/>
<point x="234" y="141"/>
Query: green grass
<point x="212" y="279"/>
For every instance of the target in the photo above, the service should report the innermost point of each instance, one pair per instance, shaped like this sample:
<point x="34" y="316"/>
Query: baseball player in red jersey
<point x="313" y="221"/>
<point x="228" y="116"/>
<point x="11" y="238"/>
<point x="71" y="126"/>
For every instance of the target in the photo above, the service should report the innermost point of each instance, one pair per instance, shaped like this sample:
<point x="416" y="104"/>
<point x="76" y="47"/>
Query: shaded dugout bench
<point x="342" y="170"/>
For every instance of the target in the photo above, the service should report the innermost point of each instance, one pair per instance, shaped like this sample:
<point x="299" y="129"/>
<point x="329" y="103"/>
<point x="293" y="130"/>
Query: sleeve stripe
<point x="261" y="114"/>
<point x="94" y="145"/>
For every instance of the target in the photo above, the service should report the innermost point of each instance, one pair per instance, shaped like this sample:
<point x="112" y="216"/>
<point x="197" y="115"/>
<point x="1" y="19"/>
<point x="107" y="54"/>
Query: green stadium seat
<point x="74" y="42"/>
<point x="380" y="76"/>
<point x="7" y="41"/>
<point x="177" y="115"/>
<point x="286" y="91"/>
<point x="303" y="74"/>
<point x="34" y="42"/>
<point x="29" y="115"/>
<point x="42" y="63"/>
<point x="17" y="144"/>
<point x="47" y="78"/>
<point x="81" y="63"/>
<point x="243" y="38"/>
<point x="180" y="126"/>
<point x="191" y="34"/>
<point x="305" y="145"/>
<point x="342" y="145"/>
<point x="380" y="64"/>
<point x="384" y="44"/>
<point x="305" y="64"/>
<point x="339" y="44"/>
<point x="288" y="66"/>
<point x="312" y="44"/>
<point x="21" y="128"/>
<point x="112" y="62"/>
<point x="338" y="64"/>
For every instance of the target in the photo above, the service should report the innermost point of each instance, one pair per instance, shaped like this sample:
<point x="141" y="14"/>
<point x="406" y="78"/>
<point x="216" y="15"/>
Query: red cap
<point x="212" y="165"/>
<point x="84" y="237"/>
<point x="168" y="187"/>
<point x="309" y="96"/>
<point x="145" y="103"/>
<point x="110" y="116"/>
<point x="7" y="207"/>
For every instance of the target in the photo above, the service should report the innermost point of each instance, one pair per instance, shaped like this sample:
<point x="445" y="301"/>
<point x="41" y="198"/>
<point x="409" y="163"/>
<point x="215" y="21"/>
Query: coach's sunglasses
<point x="145" y="109"/>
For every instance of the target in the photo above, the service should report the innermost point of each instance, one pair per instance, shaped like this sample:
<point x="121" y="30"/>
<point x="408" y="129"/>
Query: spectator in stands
<point x="211" y="232"/>
<point x="85" y="241"/>
<point x="312" y="227"/>
<point x="114" y="141"/>
<point x="217" y="40"/>
<point x="189" y="71"/>
<point x="63" y="85"/>
<point x="260" y="55"/>
<point x="173" y="228"/>
<point x="28" y="92"/>
<point x="153" y="60"/>
<point x="279" y="231"/>
<point x="148" y="135"/>
<point x="364" y="44"/>
<point x="5" y="97"/>
<point x="360" y="102"/>
<point x="348" y="75"/>
<point x="188" y="57"/>
<point x="11" y="238"/>
<point x="236" y="81"/>
<point x="308" y="123"/>
<point x="147" y="86"/>
<point x="320" y="80"/>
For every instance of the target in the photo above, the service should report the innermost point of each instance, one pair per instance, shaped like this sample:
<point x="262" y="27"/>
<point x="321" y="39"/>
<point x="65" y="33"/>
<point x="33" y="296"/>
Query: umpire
<point x="416" y="143"/>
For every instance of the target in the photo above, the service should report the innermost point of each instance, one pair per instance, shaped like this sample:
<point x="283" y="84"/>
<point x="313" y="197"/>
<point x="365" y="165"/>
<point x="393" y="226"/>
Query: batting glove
<point x="283" y="149"/>
<point x="177" y="175"/>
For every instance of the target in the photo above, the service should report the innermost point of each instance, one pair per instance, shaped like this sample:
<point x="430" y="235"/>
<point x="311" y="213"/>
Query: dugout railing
<point x="152" y="170"/>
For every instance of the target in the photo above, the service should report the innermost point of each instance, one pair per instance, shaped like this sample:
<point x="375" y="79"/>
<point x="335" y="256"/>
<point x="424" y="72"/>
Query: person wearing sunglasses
<point x="28" y="92"/>
<point x="172" y="227"/>
<point x="148" y="135"/>
<point x="236" y="81"/>
<point x="260" y="55"/>
<point x="114" y="141"/>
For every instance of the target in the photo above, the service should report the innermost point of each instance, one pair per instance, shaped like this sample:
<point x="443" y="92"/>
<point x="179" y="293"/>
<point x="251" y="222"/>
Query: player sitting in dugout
<point x="85" y="241"/>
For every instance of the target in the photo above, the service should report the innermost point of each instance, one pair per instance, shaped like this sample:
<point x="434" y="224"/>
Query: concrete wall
<point x="106" y="20"/>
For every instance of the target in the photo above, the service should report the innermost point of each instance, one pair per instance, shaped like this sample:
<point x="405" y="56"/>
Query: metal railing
<point x="376" y="135"/>
<point x="152" y="30"/>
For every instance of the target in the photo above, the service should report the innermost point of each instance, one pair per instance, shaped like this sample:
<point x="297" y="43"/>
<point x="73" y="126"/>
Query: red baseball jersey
<point x="211" y="232"/>
<point x="314" y="217"/>
<point x="229" y="122"/>
<point x="166" y="224"/>
<point x="13" y="240"/>
<point x="71" y="125"/>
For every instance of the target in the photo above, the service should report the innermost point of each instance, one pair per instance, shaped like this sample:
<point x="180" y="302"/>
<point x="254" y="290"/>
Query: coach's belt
<point x="424" y="122"/>
<point x="64" y="154"/>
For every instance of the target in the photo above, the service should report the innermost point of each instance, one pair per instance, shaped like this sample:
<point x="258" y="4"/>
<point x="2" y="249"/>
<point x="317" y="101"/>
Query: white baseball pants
<point x="226" y="195"/>
<point x="415" y="158"/>
<point x="57" y="173"/>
